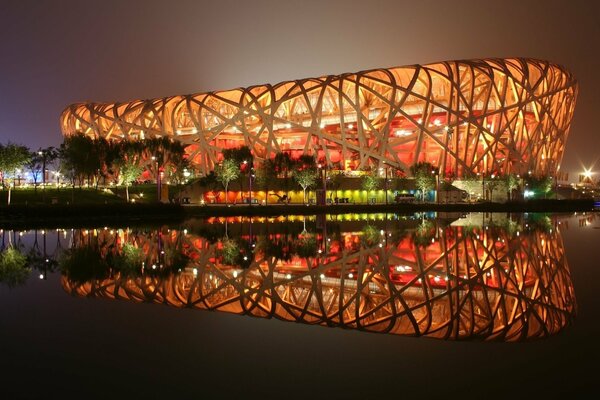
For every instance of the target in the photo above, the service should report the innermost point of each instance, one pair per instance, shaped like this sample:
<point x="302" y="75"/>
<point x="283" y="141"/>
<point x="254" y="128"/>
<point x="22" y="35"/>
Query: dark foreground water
<point x="354" y="306"/>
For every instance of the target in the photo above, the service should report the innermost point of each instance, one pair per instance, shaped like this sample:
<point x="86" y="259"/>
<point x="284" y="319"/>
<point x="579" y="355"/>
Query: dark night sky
<point x="53" y="53"/>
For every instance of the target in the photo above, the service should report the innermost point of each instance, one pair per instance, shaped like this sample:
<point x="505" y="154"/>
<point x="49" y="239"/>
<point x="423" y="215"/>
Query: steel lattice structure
<point x="465" y="117"/>
<point x="470" y="283"/>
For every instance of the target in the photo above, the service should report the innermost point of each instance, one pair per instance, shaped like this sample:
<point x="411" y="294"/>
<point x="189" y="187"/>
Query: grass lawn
<point x="115" y="195"/>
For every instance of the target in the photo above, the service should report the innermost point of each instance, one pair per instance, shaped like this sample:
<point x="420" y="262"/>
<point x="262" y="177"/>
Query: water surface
<point x="128" y="306"/>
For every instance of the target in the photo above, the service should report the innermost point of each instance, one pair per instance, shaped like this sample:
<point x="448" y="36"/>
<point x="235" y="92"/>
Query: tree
<point x="13" y="157"/>
<point x="512" y="183"/>
<point x="306" y="178"/>
<point x="34" y="165"/>
<point x="284" y="164"/>
<point x="491" y="185"/>
<point x="424" y="177"/>
<point x="538" y="184"/>
<point x="130" y="171"/>
<point x="226" y="172"/>
<point x="265" y="176"/>
<point x="78" y="154"/>
<point x="370" y="182"/>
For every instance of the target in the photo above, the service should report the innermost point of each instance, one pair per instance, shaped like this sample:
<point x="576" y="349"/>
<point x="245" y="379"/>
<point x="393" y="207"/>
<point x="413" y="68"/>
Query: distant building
<point x="464" y="117"/>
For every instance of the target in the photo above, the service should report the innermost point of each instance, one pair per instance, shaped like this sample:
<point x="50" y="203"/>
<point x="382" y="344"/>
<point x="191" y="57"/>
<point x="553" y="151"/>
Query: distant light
<point x="288" y="126"/>
<point x="235" y="274"/>
<point x="437" y="122"/>
<point x="350" y="275"/>
<point x="322" y="276"/>
<point x="41" y="276"/>
<point x="288" y="276"/>
<point x="322" y="125"/>
<point x="350" y="126"/>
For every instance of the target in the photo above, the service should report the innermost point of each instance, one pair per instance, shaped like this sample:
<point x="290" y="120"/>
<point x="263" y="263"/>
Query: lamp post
<point x="323" y="176"/>
<point x="154" y="158"/>
<point x="250" y="178"/>
<point x="385" y="183"/>
<point x="436" y="173"/>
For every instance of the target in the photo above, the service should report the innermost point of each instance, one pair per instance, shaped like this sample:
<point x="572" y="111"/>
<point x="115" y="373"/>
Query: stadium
<point x="470" y="117"/>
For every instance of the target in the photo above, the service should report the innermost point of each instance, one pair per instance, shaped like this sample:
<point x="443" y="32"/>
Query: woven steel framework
<point x="469" y="283"/>
<point x="464" y="117"/>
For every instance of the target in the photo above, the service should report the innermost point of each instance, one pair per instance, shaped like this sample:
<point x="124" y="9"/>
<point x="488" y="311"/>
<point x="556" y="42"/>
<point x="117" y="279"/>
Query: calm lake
<point x="338" y="306"/>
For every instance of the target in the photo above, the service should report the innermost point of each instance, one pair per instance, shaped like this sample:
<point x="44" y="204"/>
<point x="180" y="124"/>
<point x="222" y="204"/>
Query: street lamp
<point x="323" y="176"/>
<point x="385" y="183"/>
<point x="158" y="183"/>
<point x="250" y="179"/>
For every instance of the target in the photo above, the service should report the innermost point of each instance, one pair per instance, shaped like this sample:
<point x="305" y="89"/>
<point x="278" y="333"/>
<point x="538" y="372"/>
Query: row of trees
<point x="238" y="164"/>
<point x="83" y="160"/>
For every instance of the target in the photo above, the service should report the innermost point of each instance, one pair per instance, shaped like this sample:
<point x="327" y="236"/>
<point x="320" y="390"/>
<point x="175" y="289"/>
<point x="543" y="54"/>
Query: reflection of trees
<point x="81" y="264"/>
<point x="370" y="235"/>
<point x="278" y="247"/>
<point x="488" y="284"/>
<point x="236" y="252"/>
<point x="129" y="260"/>
<point x="13" y="267"/>
<point x="424" y="234"/>
<point x="306" y="245"/>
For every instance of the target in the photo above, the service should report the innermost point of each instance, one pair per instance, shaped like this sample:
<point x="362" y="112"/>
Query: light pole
<point x="385" y="183"/>
<point x="154" y="158"/>
<point x="250" y="178"/>
<point x="323" y="176"/>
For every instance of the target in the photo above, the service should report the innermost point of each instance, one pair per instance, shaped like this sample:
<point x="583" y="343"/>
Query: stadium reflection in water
<point x="503" y="279"/>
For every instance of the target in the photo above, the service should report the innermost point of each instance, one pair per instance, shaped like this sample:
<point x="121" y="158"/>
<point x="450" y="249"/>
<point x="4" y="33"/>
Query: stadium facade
<point x="464" y="117"/>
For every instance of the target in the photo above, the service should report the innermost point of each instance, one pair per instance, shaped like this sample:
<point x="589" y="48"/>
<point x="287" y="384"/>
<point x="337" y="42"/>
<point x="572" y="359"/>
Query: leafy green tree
<point x="334" y="182"/>
<point x="471" y="183"/>
<point x="265" y="176"/>
<point x="225" y="172"/>
<point x="13" y="157"/>
<point x="370" y="182"/>
<point x="539" y="184"/>
<point x="492" y="184"/>
<point x="79" y="154"/>
<point x="424" y="177"/>
<point x="284" y="164"/>
<point x="512" y="182"/>
<point x="305" y="172"/>
<point x="130" y="171"/>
